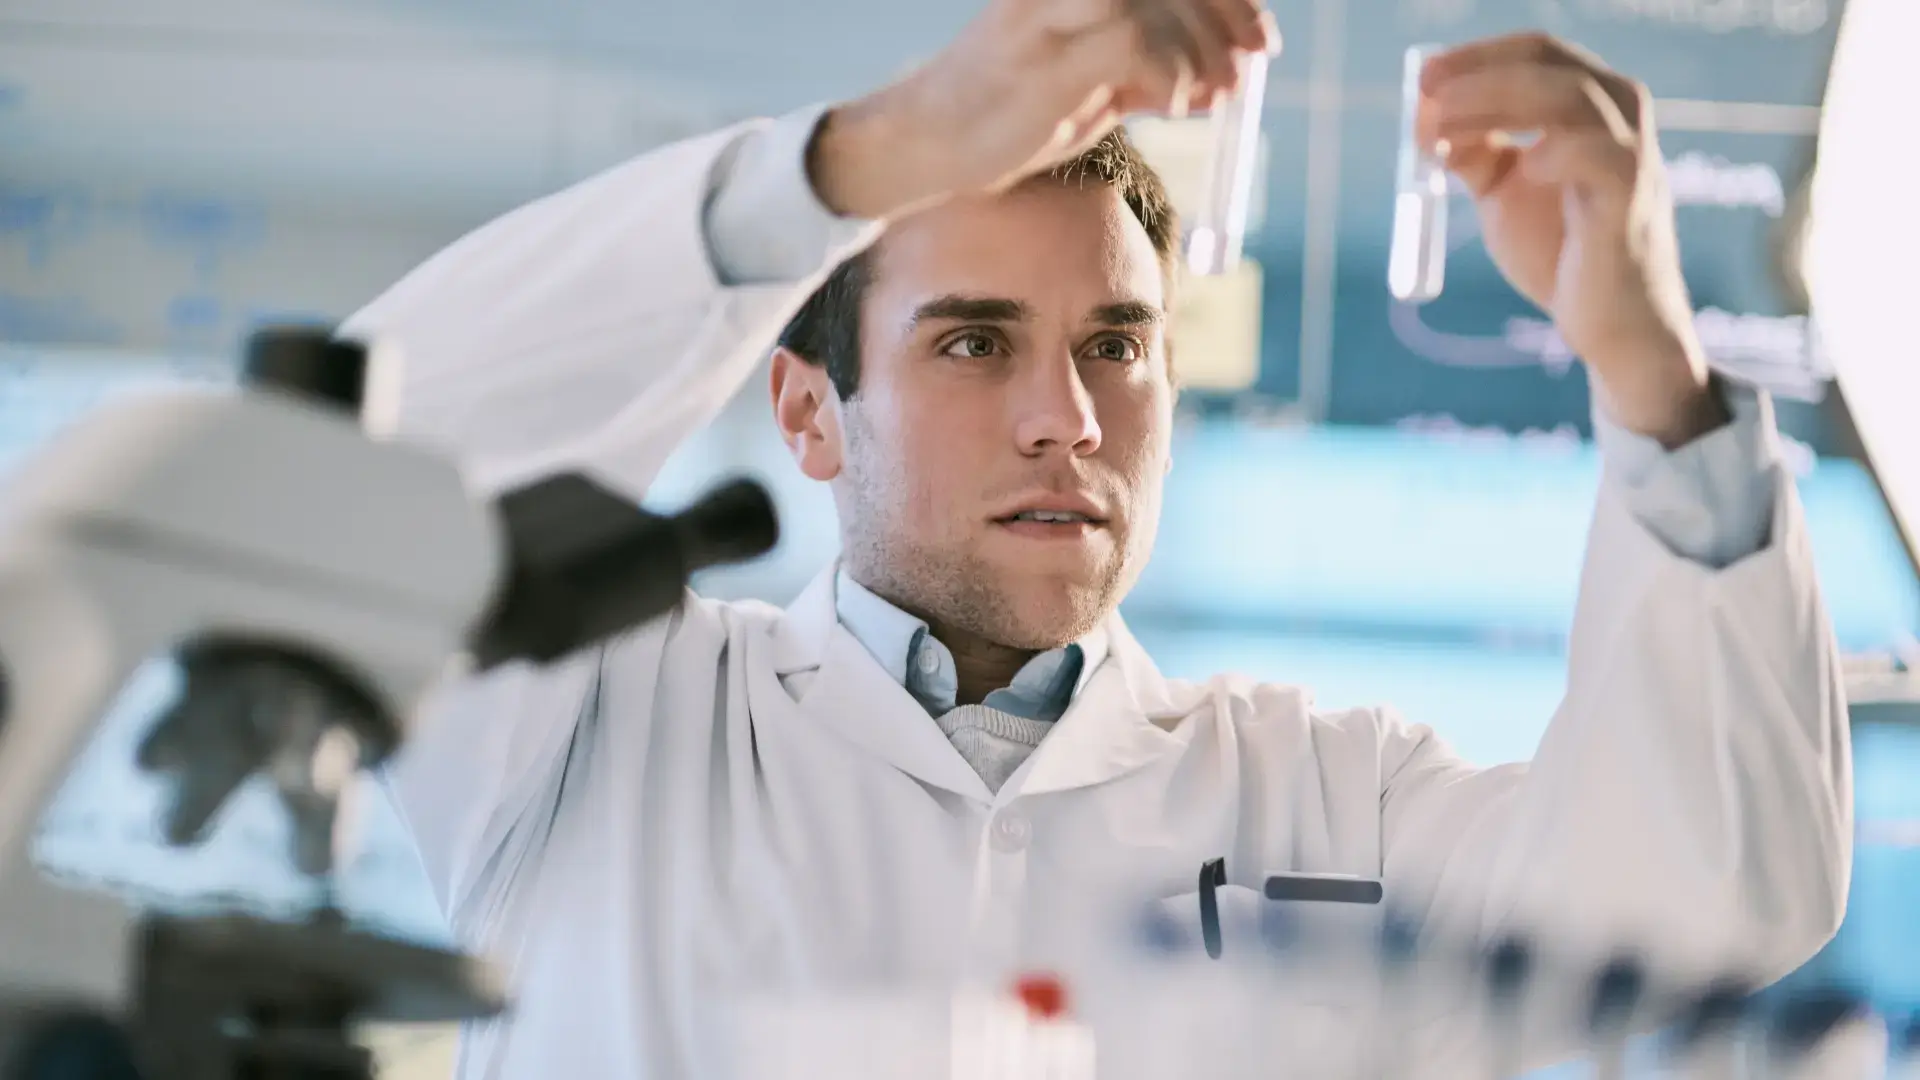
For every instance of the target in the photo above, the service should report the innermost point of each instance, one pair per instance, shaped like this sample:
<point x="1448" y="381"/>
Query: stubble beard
<point x="960" y="591"/>
<point x="956" y="589"/>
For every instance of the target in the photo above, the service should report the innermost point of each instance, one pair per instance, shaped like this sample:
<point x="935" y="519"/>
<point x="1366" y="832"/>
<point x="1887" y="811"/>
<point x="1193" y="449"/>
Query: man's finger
<point x="1537" y="49"/>
<point x="1161" y="85"/>
<point x="1169" y="45"/>
<point x="1218" y="67"/>
<point x="1527" y="47"/>
<point x="1091" y="120"/>
<point x="1248" y="24"/>
<point x="1591" y="163"/>
<point x="1156" y="93"/>
<point x="1523" y="97"/>
<point x="1179" y="37"/>
<point x="1483" y="164"/>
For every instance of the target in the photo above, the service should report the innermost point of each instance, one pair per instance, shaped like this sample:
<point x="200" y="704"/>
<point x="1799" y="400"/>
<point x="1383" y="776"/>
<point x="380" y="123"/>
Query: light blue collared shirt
<point x="917" y="660"/>
<point x="1710" y="501"/>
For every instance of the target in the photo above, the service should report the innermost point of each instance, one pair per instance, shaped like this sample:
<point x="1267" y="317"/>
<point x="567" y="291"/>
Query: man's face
<point x="1002" y="460"/>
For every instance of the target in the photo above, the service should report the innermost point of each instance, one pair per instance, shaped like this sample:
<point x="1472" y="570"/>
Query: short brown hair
<point x="826" y="329"/>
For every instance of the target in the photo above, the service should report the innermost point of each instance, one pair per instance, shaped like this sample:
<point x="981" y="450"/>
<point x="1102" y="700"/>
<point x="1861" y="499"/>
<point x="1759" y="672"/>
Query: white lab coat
<point x="739" y="799"/>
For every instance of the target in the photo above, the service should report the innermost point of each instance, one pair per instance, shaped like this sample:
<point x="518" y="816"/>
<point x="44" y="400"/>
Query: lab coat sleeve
<point x="1710" y="500"/>
<point x="765" y="224"/>
<point x="586" y="331"/>
<point x="1691" y="801"/>
<point x="591" y="330"/>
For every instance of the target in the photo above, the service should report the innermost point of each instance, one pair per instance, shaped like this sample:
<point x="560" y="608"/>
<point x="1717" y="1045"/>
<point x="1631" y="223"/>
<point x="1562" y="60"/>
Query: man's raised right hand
<point x="1029" y="84"/>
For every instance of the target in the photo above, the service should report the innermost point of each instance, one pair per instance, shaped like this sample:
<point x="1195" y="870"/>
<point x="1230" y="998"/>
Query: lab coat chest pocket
<point x="1151" y="828"/>
<point x="1286" y="986"/>
<point x="1323" y="953"/>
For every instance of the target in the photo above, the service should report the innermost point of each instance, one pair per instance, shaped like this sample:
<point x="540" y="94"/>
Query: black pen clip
<point x="1213" y="875"/>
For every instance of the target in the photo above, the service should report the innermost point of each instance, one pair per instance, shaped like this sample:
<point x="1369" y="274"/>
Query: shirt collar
<point x="886" y="631"/>
<point x="914" y="658"/>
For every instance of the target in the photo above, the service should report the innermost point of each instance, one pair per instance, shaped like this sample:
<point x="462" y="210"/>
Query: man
<point x="939" y="758"/>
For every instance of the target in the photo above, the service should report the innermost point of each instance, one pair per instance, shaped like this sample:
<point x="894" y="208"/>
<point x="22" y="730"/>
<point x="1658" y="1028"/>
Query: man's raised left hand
<point x="1581" y="220"/>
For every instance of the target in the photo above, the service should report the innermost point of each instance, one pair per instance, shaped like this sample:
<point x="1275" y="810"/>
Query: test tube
<point x="1417" y="261"/>
<point x="1218" y="234"/>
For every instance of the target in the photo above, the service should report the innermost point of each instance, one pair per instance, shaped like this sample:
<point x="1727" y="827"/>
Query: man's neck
<point x="981" y="666"/>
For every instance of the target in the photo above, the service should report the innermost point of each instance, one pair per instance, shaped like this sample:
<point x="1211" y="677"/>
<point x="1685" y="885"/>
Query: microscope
<point x="313" y="584"/>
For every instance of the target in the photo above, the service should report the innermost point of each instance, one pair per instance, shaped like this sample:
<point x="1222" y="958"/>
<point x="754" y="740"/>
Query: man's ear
<point x="803" y="409"/>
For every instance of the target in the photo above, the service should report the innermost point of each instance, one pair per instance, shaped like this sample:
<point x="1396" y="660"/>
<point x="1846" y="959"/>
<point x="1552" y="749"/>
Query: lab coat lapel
<point x="1122" y="720"/>
<point x="852" y="694"/>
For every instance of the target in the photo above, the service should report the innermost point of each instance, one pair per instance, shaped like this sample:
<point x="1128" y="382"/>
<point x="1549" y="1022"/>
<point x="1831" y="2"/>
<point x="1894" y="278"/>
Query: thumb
<point x="1078" y="132"/>
<point x="1483" y="164"/>
<point x="1092" y="120"/>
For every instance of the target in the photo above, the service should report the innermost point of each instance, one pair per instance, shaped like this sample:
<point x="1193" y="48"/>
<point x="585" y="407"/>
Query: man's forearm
<point x="1667" y="395"/>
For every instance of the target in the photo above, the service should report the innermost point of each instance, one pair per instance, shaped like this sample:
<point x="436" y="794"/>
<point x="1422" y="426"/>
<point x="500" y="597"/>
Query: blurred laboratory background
<point x="173" y="175"/>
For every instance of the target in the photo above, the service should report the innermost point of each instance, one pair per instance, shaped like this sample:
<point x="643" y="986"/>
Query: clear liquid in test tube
<point x="1220" y="231"/>
<point x="1417" y="261"/>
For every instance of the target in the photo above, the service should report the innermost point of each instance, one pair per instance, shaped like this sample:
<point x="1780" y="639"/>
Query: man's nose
<point x="1055" y="411"/>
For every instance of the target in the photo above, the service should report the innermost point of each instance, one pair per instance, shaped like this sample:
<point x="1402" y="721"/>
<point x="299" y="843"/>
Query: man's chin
<point x="1047" y="611"/>
<point x="1051" y="583"/>
<point x="1084" y="560"/>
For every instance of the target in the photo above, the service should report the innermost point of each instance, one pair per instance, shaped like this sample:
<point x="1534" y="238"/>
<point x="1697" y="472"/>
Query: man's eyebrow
<point x="1127" y="313"/>
<point x="957" y="308"/>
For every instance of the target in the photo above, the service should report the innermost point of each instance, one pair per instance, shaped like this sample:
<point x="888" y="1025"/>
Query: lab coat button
<point x="1011" y="833"/>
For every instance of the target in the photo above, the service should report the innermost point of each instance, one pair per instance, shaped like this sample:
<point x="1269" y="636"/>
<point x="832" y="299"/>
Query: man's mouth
<point x="1066" y="526"/>
<point x="1054" y="517"/>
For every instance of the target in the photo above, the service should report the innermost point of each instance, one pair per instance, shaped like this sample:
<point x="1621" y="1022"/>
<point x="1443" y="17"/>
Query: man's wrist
<point x="1673" y="421"/>
<point x="865" y="162"/>
<point x="1667" y="395"/>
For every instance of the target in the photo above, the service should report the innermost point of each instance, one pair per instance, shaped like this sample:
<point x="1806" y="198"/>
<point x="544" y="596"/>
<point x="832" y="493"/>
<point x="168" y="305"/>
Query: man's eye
<point x="1122" y="350"/>
<point x="971" y="346"/>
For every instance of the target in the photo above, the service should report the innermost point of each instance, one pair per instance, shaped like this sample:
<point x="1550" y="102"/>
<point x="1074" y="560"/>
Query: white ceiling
<point x="424" y="105"/>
